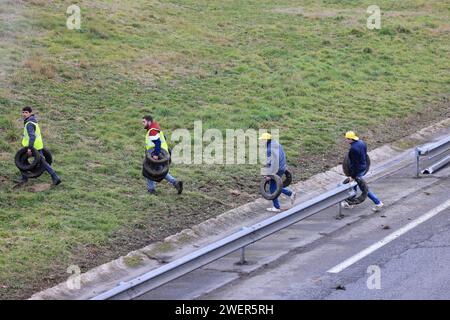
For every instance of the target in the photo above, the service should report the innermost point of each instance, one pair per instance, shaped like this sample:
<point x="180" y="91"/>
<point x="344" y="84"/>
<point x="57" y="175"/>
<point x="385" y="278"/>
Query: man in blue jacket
<point x="32" y="138"/>
<point x="358" y="166"/>
<point x="278" y="158"/>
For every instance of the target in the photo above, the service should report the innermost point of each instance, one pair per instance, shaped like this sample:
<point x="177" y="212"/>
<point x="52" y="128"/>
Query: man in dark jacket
<point x="276" y="161"/>
<point x="32" y="138"/>
<point x="358" y="165"/>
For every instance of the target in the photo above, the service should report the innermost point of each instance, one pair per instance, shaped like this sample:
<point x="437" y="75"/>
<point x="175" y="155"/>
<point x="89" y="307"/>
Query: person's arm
<point x="31" y="129"/>
<point x="155" y="138"/>
<point x="157" y="143"/>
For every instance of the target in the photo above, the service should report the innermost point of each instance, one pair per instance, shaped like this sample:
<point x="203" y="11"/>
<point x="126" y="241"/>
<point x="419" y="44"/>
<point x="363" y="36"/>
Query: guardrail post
<point x="417" y="162"/>
<point x="339" y="215"/>
<point x="242" y="261"/>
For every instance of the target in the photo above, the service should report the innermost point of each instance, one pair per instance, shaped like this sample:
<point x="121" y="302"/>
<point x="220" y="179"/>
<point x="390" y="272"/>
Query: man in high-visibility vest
<point x="32" y="138"/>
<point x="155" y="139"/>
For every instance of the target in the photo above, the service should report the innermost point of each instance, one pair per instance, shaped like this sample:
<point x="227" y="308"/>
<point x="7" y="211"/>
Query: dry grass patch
<point x="40" y="68"/>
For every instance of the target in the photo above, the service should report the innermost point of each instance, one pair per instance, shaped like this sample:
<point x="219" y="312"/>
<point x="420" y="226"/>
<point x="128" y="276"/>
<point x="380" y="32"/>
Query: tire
<point x="364" y="191"/>
<point x="288" y="180"/>
<point x="153" y="171"/>
<point x="34" y="173"/>
<point x="21" y="159"/>
<point x="164" y="156"/>
<point x="39" y="169"/>
<point x="156" y="175"/>
<point x="153" y="178"/>
<point x="346" y="162"/>
<point x="263" y="186"/>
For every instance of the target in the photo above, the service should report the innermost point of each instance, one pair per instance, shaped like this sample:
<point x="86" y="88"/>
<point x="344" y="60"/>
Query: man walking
<point x="277" y="158"/>
<point x="32" y="138"/>
<point x="358" y="166"/>
<point x="155" y="139"/>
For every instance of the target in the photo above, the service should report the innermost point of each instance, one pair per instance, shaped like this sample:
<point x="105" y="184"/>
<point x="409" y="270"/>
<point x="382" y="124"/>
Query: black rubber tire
<point x="164" y="157"/>
<point x="21" y="159"/>
<point x="364" y="191"/>
<point x="151" y="173"/>
<point x="39" y="169"/>
<point x="154" y="178"/>
<point x="345" y="165"/>
<point x="34" y="173"/>
<point x="288" y="178"/>
<point x="264" y="184"/>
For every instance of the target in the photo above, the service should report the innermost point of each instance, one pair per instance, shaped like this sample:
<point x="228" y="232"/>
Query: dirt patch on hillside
<point x="40" y="187"/>
<point x="442" y="29"/>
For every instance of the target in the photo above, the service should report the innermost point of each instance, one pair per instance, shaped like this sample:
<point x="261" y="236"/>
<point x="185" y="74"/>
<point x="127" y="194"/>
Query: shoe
<point x="345" y="205"/>
<point x="21" y="181"/>
<point x="179" y="186"/>
<point x="292" y="197"/>
<point x="273" y="209"/>
<point x="152" y="192"/>
<point x="378" y="207"/>
<point x="57" y="181"/>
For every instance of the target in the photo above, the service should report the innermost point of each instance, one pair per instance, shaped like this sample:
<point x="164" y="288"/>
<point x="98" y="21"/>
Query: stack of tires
<point x="156" y="169"/>
<point x="32" y="167"/>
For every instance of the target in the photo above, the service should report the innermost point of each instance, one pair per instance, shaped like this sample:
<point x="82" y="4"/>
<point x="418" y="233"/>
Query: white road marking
<point x="389" y="238"/>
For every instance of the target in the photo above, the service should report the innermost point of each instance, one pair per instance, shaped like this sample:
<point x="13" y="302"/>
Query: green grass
<point x="232" y="64"/>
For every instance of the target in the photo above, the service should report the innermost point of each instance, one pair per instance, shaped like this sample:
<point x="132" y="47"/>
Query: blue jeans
<point x="273" y="187"/>
<point x="371" y="195"/>
<point x="47" y="167"/>
<point x="151" y="185"/>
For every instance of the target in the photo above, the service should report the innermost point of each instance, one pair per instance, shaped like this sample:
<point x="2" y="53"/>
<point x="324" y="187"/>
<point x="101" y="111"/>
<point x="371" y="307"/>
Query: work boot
<point x="56" y="181"/>
<point x="179" y="186"/>
<point x="21" y="181"/>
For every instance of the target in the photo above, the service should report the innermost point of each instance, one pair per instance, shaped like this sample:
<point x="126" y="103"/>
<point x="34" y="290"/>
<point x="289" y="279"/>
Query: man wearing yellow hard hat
<point x="279" y="156"/>
<point x="358" y="166"/>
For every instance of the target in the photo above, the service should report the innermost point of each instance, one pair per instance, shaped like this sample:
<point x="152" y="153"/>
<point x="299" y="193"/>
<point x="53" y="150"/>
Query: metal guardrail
<point x="239" y="240"/>
<point x="431" y="150"/>
<point x="436" y="166"/>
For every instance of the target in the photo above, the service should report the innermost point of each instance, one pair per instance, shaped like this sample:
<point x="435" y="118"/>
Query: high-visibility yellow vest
<point x="38" y="143"/>
<point x="150" y="144"/>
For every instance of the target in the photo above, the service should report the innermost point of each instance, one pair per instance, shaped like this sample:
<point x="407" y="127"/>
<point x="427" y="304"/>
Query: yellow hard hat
<point x="351" y="135"/>
<point x="265" y="136"/>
